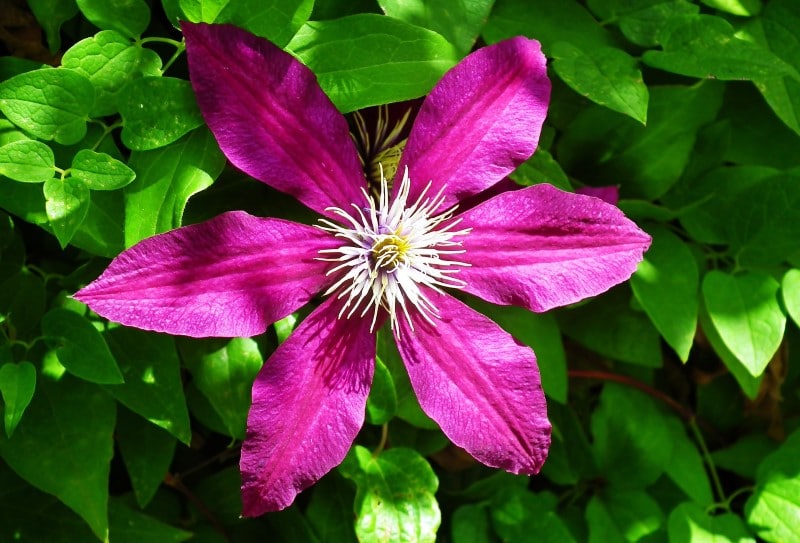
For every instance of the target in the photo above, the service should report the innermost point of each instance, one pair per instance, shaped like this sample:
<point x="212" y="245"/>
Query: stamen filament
<point x="391" y="252"/>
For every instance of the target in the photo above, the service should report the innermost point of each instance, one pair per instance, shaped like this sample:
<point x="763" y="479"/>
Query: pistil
<point x="391" y="251"/>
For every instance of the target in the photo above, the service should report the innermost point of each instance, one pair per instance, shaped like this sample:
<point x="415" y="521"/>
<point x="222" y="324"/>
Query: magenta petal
<point x="480" y="121"/>
<point x="479" y="384"/>
<point x="308" y="405"/>
<point x="271" y="118"/>
<point x="231" y="276"/>
<point x="541" y="247"/>
<point x="609" y="193"/>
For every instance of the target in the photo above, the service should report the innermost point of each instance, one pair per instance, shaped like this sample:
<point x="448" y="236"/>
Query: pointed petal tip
<point x="480" y="121"/>
<point x="271" y="118"/>
<point x="558" y="249"/>
<point x="479" y="384"/>
<point x="230" y="276"/>
<point x="309" y="403"/>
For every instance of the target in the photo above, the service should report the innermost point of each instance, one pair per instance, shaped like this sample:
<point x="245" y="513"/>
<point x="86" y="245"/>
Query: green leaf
<point x="745" y="312"/>
<point x="570" y="459"/>
<point x="425" y="442"/>
<point x="642" y="21"/>
<point x="29" y="161"/>
<point x="757" y="136"/>
<point x="330" y="512"/>
<point x="147" y="451"/>
<point x="49" y="103"/>
<point x="600" y="145"/>
<point x="689" y="523"/>
<point x="610" y="327"/>
<point x="17" y="384"/>
<point x="110" y="61"/>
<point x="128" y="17"/>
<point x="157" y="111"/>
<point x="743" y="8"/>
<point x="790" y="291"/>
<point x="541" y="168"/>
<point x="129" y="526"/>
<point x="750" y="385"/>
<point x="686" y="468"/>
<point x="276" y="20"/>
<point x="408" y="407"/>
<point x="705" y="46"/>
<point x="28" y="514"/>
<point x="224" y="372"/>
<point x="51" y="14"/>
<point x="219" y="492"/>
<point x="605" y="75"/>
<point x="548" y="21"/>
<point x="711" y="197"/>
<point x="460" y="21"/>
<point x="67" y="203"/>
<point x="778" y="30"/>
<point x="768" y="222"/>
<point x="24" y="200"/>
<point x="285" y="326"/>
<point x="739" y="457"/>
<point x="627" y="515"/>
<point x="518" y="513"/>
<point x="76" y="419"/>
<point x="783" y="96"/>
<point x="631" y="452"/>
<point x="666" y="285"/>
<point x="205" y="11"/>
<point x="367" y="59"/>
<point x="81" y="349"/>
<point x="471" y="524"/>
<point x="202" y="410"/>
<point x="382" y="400"/>
<point x="22" y="301"/>
<point x="99" y="171"/>
<point x="153" y="386"/>
<point x="395" y="495"/>
<point x="774" y="507"/>
<point x="102" y="232"/>
<point x="165" y="180"/>
<point x="539" y="332"/>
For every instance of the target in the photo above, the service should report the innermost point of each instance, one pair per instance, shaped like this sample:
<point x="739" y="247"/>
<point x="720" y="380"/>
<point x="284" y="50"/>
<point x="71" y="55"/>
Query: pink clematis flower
<point x="608" y="193"/>
<point x="391" y="258"/>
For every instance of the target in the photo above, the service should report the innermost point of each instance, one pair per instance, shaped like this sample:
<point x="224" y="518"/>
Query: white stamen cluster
<point x="392" y="250"/>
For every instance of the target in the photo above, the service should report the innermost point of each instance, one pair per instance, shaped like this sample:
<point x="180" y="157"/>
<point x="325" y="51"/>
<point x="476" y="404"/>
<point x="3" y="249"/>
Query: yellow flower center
<point x="390" y="251"/>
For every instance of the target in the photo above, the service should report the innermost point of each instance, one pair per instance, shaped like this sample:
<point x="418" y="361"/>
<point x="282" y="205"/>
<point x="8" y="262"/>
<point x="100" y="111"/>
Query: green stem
<point x="383" y="441"/>
<point x="107" y="129"/>
<point x="180" y="47"/>
<point x="712" y="469"/>
<point x="152" y="39"/>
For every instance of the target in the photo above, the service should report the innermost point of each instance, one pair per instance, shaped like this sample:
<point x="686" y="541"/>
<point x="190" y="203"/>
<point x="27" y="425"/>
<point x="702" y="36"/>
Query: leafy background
<point x="674" y="397"/>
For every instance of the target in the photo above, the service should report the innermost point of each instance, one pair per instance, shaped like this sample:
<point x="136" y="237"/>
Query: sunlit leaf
<point x="395" y="495"/>
<point x="49" y="103"/>
<point x="17" y="385"/>
<point x="745" y="312"/>
<point x="666" y="283"/>
<point x="29" y="161"/>
<point x="773" y="509"/>
<point x="99" y="171"/>
<point x="366" y="60"/>
<point x="80" y="347"/>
